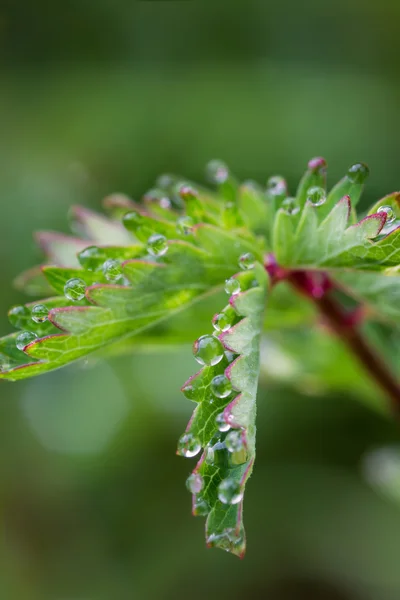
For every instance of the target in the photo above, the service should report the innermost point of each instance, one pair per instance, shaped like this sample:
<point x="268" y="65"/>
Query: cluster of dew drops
<point x="209" y="351"/>
<point x="156" y="246"/>
<point x="75" y="288"/>
<point x="316" y="195"/>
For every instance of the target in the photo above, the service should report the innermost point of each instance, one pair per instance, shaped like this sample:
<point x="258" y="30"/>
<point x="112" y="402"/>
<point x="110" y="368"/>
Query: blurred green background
<point x="98" y="97"/>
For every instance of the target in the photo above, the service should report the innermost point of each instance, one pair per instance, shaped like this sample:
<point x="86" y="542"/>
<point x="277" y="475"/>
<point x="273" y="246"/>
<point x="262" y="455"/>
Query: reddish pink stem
<point x="317" y="287"/>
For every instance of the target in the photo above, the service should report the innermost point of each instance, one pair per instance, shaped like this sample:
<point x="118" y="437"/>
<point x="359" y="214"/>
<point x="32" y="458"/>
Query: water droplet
<point x="221" y="386"/>
<point x="208" y="350"/>
<point x="221" y="322"/>
<point x="156" y="196"/>
<point x="232" y="286"/>
<point x="217" y="171"/>
<point x="290" y="206"/>
<point x="187" y="192"/>
<point x="358" y="173"/>
<point x="230" y="491"/>
<point x="189" y="391"/>
<point x="230" y="356"/>
<point x="165" y="181"/>
<point x="75" y="289"/>
<point x="165" y="202"/>
<point x="40" y="313"/>
<point x="277" y="186"/>
<point x="390" y="214"/>
<point x="157" y="245"/>
<point x="247" y="261"/>
<point x="112" y="270"/>
<point x="234" y="441"/>
<point x="221" y="423"/>
<point x="316" y="195"/>
<point x="19" y="316"/>
<point x="229" y="539"/>
<point x="132" y="220"/>
<point x="224" y="320"/>
<point x="217" y="455"/>
<point x="91" y="258"/>
<point x="194" y="483"/>
<point x="188" y="445"/>
<point x="200" y="508"/>
<point x="184" y="225"/>
<point x="25" y="338"/>
<point x="238" y="458"/>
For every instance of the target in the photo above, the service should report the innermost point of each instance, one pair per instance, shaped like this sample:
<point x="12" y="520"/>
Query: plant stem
<point x="317" y="287"/>
<point x="344" y="324"/>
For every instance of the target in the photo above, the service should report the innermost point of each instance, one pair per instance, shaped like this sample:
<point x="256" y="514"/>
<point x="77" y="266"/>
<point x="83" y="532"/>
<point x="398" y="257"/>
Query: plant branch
<point x="318" y="287"/>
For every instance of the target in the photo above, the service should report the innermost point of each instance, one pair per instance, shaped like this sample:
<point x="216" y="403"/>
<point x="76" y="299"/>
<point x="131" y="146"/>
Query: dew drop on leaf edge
<point x="276" y="185"/>
<point x="200" y="508"/>
<point x="229" y="539"/>
<point x="189" y="391"/>
<point x="91" y="258"/>
<point x="232" y="286"/>
<point x="221" y="386"/>
<point x="186" y="192"/>
<point x="184" y="225"/>
<point x="188" y="445"/>
<point x="157" y="244"/>
<point x="75" y="289"/>
<point x="221" y="423"/>
<point x="230" y="491"/>
<point x="25" y="338"/>
<point x="224" y="320"/>
<point x="316" y="195"/>
<point x="234" y="441"/>
<point x="165" y="181"/>
<point x="290" y="206"/>
<point x="217" y="171"/>
<point x="247" y="261"/>
<point x="195" y="483"/>
<point x="216" y="454"/>
<point x="208" y="350"/>
<point x="112" y="270"/>
<point x="132" y="220"/>
<point x="390" y="214"/>
<point x="40" y="313"/>
<point x="358" y="173"/>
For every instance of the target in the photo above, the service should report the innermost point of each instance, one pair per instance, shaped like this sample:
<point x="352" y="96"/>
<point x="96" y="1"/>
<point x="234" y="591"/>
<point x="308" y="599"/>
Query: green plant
<point x="124" y="281"/>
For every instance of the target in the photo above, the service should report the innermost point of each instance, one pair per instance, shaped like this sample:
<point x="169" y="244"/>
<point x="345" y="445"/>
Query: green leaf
<point x="378" y="291"/>
<point x="136" y="295"/>
<point x="238" y="369"/>
<point x="154" y="290"/>
<point x="97" y="228"/>
<point x="33" y="282"/>
<point x="254" y="208"/>
<point x="332" y="243"/>
<point x="59" y="249"/>
<point x="351" y="185"/>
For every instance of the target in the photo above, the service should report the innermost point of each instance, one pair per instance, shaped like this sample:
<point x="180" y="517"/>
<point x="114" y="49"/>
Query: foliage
<point x="124" y="281"/>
